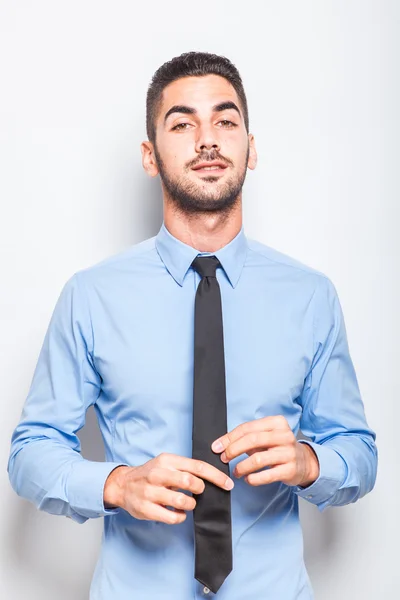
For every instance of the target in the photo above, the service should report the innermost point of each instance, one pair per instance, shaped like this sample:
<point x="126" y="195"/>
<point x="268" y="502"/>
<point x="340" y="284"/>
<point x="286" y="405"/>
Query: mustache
<point x="209" y="157"/>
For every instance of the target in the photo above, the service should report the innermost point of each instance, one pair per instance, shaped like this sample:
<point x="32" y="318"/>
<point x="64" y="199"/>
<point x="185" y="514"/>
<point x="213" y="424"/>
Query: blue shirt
<point x="121" y="338"/>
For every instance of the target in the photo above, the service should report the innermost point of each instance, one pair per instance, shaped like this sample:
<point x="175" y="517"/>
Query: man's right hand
<point x="146" y="491"/>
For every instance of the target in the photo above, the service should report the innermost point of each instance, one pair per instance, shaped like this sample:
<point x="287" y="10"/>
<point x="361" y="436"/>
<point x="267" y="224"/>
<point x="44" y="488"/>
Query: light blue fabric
<point x="121" y="338"/>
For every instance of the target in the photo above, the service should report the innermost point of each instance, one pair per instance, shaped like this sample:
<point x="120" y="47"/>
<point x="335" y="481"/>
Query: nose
<point x="206" y="139"/>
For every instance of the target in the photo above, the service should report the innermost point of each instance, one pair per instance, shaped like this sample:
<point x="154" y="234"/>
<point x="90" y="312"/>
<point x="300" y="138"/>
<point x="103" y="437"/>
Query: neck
<point x="204" y="232"/>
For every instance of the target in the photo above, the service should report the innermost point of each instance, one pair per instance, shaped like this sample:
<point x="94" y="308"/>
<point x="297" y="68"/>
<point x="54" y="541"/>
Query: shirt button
<point x="310" y="496"/>
<point x="206" y="590"/>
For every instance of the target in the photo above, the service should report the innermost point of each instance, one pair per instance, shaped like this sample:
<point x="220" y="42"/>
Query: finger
<point x="260" y="460"/>
<point x="263" y="424"/>
<point x="257" y="440"/>
<point x="175" y="480"/>
<point x="167" y="497"/>
<point x="277" y="473"/>
<point x="199" y="468"/>
<point x="156" y="512"/>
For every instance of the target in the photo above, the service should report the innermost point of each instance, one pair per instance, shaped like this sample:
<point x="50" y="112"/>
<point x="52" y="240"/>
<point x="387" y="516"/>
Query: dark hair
<point x="190" y="64"/>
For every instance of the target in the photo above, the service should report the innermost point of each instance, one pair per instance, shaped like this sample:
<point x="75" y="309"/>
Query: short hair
<point x="190" y="64"/>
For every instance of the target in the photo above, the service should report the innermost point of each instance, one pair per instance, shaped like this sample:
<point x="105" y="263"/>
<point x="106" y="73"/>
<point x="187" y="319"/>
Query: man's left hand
<point x="269" y="442"/>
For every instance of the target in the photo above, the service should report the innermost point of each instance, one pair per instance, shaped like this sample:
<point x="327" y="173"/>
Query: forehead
<point x="198" y="92"/>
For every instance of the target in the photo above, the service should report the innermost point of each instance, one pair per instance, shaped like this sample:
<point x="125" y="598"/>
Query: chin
<point x="210" y="179"/>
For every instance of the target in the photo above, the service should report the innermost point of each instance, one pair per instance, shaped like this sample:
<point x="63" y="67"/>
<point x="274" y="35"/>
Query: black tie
<point x="212" y="513"/>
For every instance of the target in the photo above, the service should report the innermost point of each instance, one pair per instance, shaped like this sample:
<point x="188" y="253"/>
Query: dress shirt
<point x="121" y="339"/>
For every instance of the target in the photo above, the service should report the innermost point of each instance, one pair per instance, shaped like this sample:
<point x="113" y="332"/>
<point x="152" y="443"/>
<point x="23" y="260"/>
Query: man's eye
<point x="227" y="123"/>
<point x="180" y="126"/>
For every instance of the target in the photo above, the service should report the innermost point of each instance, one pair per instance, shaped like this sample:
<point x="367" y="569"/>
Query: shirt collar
<point x="178" y="256"/>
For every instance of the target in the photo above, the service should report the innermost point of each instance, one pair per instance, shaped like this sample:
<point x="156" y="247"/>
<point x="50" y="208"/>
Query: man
<point x="203" y="352"/>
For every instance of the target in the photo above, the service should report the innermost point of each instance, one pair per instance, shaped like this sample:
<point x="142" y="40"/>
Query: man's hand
<point x="269" y="442"/>
<point x="146" y="491"/>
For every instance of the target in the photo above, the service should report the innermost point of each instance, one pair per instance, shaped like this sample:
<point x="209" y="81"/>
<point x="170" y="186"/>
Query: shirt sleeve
<point x="45" y="464"/>
<point x="333" y="415"/>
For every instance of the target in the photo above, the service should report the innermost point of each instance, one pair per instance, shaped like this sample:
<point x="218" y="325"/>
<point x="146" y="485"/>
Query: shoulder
<point x="126" y="261"/>
<point x="285" y="268"/>
<point x="273" y="257"/>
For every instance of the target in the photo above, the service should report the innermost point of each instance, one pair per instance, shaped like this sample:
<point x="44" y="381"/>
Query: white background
<point x="322" y="80"/>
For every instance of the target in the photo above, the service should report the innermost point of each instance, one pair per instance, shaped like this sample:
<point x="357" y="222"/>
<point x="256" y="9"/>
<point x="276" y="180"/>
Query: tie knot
<point x="206" y="266"/>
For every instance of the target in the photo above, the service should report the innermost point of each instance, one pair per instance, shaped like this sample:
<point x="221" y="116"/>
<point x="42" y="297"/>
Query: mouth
<point x="214" y="168"/>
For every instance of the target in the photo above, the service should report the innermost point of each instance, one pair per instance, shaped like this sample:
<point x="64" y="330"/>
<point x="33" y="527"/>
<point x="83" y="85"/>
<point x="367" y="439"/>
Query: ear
<point x="252" y="162"/>
<point x="148" y="158"/>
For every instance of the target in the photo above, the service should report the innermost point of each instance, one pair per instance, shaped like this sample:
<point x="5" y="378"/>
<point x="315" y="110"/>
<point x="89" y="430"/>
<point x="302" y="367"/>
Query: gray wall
<point x="323" y="90"/>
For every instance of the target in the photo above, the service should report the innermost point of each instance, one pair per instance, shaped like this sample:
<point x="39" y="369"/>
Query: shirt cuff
<point x="86" y="489"/>
<point x="333" y="472"/>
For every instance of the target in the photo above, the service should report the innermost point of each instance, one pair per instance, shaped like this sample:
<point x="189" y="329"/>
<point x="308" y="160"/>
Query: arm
<point x="333" y="413"/>
<point x="45" y="465"/>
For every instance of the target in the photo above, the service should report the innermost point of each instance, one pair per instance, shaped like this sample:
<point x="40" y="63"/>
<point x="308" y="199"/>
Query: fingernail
<point x="217" y="446"/>
<point x="229" y="484"/>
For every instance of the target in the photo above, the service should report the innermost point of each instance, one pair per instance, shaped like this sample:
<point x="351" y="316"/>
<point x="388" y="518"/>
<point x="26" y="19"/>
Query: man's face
<point x="202" y="148"/>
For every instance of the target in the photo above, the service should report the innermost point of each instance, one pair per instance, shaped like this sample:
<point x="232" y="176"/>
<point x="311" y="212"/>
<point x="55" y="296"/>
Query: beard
<point x="204" y="197"/>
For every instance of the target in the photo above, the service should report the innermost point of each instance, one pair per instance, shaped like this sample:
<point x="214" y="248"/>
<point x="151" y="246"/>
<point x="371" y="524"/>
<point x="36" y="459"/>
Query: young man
<point x="203" y="352"/>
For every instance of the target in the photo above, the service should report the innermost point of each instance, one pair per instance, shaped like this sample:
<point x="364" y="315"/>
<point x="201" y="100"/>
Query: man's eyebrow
<point x="180" y="108"/>
<point x="225" y="106"/>
<point x="189" y="110"/>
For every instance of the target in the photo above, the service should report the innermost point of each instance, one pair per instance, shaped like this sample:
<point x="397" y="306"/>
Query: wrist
<point x="312" y="469"/>
<point x="113" y="488"/>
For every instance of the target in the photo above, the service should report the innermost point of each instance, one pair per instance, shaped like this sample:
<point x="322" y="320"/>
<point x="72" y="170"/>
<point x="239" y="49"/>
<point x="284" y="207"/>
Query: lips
<point x="210" y="167"/>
